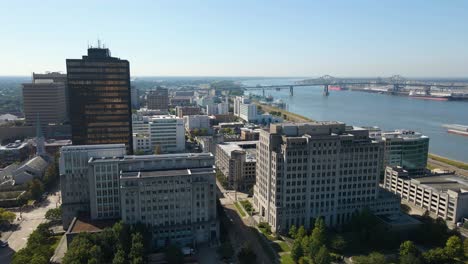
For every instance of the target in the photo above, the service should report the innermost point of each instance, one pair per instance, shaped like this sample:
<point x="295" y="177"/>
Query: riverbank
<point x="289" y="116"/>
<point x="435" y="161"/>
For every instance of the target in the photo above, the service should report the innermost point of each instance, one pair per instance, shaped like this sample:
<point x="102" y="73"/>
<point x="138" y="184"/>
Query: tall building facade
<point x="45" y="98"/>
<point x="99" y="97"/>
<point x="174" y="194"/>
<point x="164" y="132"/>
<point x="74" y="179"/>
<point x="244" y="109"/>
<point x="237" y="162"/>
<point x="158" y="99"/>
<point x="318" y="169"/>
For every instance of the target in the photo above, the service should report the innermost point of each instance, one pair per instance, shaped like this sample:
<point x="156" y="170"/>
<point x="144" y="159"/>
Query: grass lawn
<point x="454" y="163"/>
<point x="289" y="115"/>
<point x="56" y="240"/>
<point x="286" y="259"/>
<point x="10" y="194"/>
<point x="431" y="167"/>
<point x="239" y="209"/>
<point x="284" y="246"/>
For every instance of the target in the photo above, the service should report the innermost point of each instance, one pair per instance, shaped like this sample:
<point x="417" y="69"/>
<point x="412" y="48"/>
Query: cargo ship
<point x="438" y="97"/>
<point x="457" y="129"/>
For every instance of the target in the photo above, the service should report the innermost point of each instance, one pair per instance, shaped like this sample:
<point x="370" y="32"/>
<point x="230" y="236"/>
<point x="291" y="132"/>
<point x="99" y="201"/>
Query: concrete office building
<point x="318" y="169"/>
<point x="211" y="109"/>
<point x="166" y="132"/>
<point x="74" y="179"/>
<point x="187" y="110"/>
<point x="174" y="194"/>
<point x="135" y="98"/>
<point x="223" y="108"/>
<point x="444" y="196"/>
<point x="142" y="143"/>
<point x="404" y="148"/>
<point x="158" y="99"/>
<point x="45" y="97"/>
<point x="197" y="121"/>
<point x="208" y="144"/>
<point x="100" y="99"/>
<point x="236" y="160"/>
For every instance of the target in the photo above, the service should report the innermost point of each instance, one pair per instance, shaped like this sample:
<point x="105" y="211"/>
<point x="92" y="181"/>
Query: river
<point x="385" y="111"/>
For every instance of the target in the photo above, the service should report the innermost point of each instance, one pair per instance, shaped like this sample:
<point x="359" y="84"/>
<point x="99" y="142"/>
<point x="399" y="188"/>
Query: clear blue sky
<point x="242" y="37"/>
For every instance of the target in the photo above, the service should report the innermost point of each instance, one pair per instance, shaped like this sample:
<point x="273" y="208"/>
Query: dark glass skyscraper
<point x="99" y="99"/>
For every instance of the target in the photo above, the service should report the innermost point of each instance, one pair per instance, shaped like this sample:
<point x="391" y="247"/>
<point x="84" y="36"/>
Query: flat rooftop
<point x="166" y="173"/>
<point x="248" y="146"/>
<point x="443" y="183"/>
<point x="84" y="224"/>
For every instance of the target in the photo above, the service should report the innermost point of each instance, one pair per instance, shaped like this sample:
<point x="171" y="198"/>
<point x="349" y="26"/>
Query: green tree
<point x="338" y="243"/>
<point x="137" y="250"/>
<point x="408" y="247"/>
<point x="51" y="175"/>
<point x="318" y="238"/>
<point x="119" y="257"/>
<point x="54" y="214"/>
<point x="247" y="256"/>
<point x="122" y="232"/>
<point x="322" y="256"/>
<point x="6" y="216"/>
<point x="465" y="246"/>
<point x="305" y="244"/>
<point x="454" y="248"/>
<point x="301" y="232"/>
<point x="372" y="258"/>
<point x="79" y="250"/>
<point x="296" y="250"/>
<point x="35" y="189"/>
<point x="39" y="259"/>
<point x="435" y="256"/>
<point x="410" y="259"/>
<point x="292" y="231"/>
<point x="95" y="255"/>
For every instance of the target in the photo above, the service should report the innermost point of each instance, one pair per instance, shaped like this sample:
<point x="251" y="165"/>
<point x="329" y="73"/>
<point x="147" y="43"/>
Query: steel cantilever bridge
<point x="397" y="82"/>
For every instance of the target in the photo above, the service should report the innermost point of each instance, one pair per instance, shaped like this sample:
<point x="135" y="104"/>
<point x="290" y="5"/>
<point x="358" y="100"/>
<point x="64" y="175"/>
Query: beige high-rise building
<point x="45" y="99"/>
<point x="318" y="169"/>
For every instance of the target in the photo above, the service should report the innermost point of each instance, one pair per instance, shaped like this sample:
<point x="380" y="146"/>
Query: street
<point x="18" y="238"/>
<point x="241" y="230"/>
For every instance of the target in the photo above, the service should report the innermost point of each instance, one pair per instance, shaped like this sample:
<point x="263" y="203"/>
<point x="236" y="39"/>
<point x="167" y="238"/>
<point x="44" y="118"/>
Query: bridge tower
<point x="427" y="90"/>
<point x="325" y="90"/>
<point x="291" y="90"/>
<point x="263" y="92"/>
<point x="396" y="88"/>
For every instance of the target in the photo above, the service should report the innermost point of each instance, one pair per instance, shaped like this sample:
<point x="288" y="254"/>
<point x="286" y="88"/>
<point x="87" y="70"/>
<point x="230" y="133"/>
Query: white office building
<point x="166" y="132"/>
<point x="197" y="121"/>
